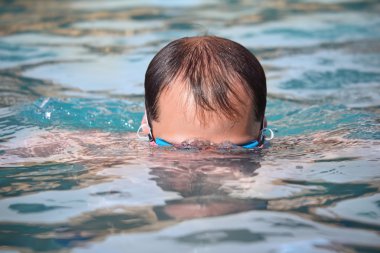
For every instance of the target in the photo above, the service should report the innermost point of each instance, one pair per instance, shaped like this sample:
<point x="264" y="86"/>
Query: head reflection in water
<point x="205" y="88"/>
<point x="200" y="183"/>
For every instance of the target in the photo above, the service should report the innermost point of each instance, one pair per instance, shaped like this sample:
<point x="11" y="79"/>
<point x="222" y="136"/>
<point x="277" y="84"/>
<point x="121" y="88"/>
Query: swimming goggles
<point x="248" y="145"/>
<point x="251" y="144"/>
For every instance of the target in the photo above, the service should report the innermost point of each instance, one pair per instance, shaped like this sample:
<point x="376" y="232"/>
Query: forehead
<point x="180" y="119"/>
<point x="178" y="99"/>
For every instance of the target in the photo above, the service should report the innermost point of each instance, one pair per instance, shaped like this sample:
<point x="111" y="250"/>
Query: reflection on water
<point x="65" y="206"/>
<point x="75" y="178"/>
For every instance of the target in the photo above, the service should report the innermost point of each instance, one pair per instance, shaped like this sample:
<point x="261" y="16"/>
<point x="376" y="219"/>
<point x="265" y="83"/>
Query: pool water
<point x="75" y="178"/>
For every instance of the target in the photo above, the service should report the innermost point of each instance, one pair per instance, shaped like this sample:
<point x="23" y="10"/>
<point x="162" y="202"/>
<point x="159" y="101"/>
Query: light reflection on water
<point x="74" y="177"/>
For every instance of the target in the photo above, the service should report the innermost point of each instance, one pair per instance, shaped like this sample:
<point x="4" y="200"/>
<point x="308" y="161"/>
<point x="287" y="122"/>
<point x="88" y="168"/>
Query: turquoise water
<point x="74" y="177"/>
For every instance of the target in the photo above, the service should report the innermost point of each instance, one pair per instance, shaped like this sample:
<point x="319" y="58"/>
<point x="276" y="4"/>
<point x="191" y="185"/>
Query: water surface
<point x="74" y="177"/>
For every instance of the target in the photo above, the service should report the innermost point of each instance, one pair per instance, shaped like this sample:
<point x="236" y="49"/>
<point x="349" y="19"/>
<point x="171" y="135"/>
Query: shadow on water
<point x="238" y="235"/>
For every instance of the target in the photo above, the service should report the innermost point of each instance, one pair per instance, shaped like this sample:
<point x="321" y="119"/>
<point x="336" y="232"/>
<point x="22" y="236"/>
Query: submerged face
<point x="179" y="119"/>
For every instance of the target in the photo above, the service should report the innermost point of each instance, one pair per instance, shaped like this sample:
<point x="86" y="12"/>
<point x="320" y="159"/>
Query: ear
<point x="145" y="126"/>
<point x="144" y="119"/>
<point x="265" y="122"/>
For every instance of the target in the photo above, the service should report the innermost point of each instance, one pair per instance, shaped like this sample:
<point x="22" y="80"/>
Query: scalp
<point x="216" y="72"/>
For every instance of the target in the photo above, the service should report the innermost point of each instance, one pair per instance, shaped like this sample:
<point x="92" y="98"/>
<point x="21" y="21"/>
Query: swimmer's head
<point x="206" y="88"/>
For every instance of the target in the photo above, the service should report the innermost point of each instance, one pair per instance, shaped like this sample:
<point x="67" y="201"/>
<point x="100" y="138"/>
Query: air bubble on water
<point x="47" y="115"/>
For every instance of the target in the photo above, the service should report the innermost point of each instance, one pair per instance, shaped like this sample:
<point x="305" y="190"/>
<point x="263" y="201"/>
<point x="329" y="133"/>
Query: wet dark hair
<point x="213" y="68"/>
